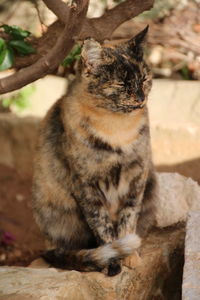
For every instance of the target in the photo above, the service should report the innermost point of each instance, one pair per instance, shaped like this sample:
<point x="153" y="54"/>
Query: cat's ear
<point x="91" y="54"/>
<point x="135" y="45"/>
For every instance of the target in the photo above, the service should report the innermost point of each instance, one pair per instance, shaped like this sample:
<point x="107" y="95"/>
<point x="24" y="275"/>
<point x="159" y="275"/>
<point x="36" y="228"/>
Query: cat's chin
<point x="129" y="108"/>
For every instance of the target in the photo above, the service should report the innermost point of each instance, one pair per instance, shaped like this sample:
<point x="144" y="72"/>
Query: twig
<point x="77" y="26"/>
<point x="48" y="63"/>
<point x="99" y="28"/>
<point x="35" y="3"/>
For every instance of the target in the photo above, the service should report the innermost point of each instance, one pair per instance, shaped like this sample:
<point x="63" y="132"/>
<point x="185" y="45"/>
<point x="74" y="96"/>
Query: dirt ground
<point x="20" y="239"/>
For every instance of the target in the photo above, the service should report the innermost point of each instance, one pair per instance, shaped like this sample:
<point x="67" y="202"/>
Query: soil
<point x="20" y="238"/>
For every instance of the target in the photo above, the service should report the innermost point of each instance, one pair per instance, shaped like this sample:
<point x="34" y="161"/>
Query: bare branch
<point x="61" y="41"/>
<point x="59" y="8"/>
<point x="102" y="28"/>
<point x="48" y="63"/>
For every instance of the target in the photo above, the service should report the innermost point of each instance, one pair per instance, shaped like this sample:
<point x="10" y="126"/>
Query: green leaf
<point x="2" y="45"/>
<point x="77" y="57"/>
<point x="6" y="28"/>
<point x="185" y="73"/>
<point x="67" y="61"/>
<point x="76" y="50"/>
<point x="22" y="47"/>
<point x="6" y="102"/>
<point x="6" y="59"/>
<point x="16" y="32"/>
<point x="73" y="55"/>
<point x="27" y="91"/>
<point x="20" y="100"/>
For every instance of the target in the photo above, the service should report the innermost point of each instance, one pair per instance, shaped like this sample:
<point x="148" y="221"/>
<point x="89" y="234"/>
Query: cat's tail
<point x="93" y="259"/>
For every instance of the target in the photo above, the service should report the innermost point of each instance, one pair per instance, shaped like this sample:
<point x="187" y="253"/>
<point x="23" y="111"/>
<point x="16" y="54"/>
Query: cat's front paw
<point x="132" y="260"/>
<point x="114" y="267"/>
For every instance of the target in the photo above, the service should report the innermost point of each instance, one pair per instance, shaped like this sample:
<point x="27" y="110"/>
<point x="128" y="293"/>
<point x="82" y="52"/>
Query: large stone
<point x="17" y="142"/>
<point x="191" y="276"/>
<point x="174" y="111"/>
<point x="139" y="283"/>
<point x="158" y="273"/>
<point x="174" y="124"/>
<point x="177" y="195"/>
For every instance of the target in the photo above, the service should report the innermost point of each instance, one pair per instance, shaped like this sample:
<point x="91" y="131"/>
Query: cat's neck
<point x="116" y="128"/>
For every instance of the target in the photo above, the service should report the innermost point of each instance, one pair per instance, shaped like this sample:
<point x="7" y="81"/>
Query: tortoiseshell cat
<point x="93" y="179"/>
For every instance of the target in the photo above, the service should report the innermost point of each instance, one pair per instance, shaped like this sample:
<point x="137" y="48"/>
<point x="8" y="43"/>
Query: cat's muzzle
<point x="130" y="108"/>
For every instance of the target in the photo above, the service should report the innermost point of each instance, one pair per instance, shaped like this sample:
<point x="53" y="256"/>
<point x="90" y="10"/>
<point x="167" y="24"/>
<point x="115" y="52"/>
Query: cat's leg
<point x="128" y="215"/>
<point x="90" y="199"/>
<point x="146" y="218"/>
<point x="137" y="214"/>
<point x="127" y="222"/>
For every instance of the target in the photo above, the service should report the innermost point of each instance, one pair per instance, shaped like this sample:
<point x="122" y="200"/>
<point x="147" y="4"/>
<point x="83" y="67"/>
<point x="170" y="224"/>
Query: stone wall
<point x="174" y="109"/>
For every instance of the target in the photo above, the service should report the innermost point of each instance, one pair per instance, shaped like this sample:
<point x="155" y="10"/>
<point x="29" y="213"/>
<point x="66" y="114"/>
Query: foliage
<point x="73" y="56"/>
<point x="16" y="44"/>
<point x="185" y="73"/>
<point x="19" y="100"/>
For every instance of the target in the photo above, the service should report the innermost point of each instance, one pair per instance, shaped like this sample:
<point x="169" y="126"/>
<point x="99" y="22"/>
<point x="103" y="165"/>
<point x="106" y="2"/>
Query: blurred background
<point x="173" y="52"/>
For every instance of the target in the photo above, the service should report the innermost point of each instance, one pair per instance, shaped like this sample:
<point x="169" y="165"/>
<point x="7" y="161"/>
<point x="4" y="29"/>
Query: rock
<point x="157" y="272"/>
<point x="17" y="140"/>
<point x="176" y="196"/>
<point x="191" y="275"/>
<point x="131" y="284"/>
<point x="156" y="54"/>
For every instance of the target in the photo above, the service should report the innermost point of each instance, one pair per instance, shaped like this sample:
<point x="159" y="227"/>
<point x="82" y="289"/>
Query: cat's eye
<point x="144" y="78"/>
<point x="118" y="84"/>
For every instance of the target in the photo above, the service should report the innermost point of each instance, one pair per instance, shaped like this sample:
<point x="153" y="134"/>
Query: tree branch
<point x="77" y="26"/>
<point x="48" y="63"/>
<point x="59" y="8"/>
<point x="102" y="28"/>
<point x="99" y="28"/>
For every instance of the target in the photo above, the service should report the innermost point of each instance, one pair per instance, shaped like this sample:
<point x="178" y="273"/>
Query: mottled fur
<point x="93" y="180"/>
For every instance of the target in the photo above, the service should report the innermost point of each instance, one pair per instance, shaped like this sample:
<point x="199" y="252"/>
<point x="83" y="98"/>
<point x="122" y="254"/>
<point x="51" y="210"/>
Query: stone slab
<point x="136" y="282"/>
<point x="174" y="109"/>
<point x="191" y="275"/>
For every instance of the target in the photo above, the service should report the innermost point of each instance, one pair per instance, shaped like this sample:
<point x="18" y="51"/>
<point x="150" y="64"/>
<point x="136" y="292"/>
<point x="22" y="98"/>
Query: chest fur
<point x="116" y="129"/>
<point x="114" y="194"/>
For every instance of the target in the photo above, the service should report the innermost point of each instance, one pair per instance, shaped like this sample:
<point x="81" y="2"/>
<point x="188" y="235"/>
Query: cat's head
<point x="118" y="77"/>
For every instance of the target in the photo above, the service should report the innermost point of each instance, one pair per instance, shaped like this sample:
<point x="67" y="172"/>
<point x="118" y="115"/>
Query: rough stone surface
<point x="159" y="267"/>
<point x="191" y="276"/>
<point x="176" y="196"/>
<point x="138" y="283"/>
<point x="175" y="103"/>
<point x="174" y="111"/>
<point x="17" y="140"/>
<point x="47" y="91"/>
<point x="175" y="126"/>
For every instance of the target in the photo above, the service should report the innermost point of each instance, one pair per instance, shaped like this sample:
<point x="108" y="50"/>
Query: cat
<point x="94" y="180"/>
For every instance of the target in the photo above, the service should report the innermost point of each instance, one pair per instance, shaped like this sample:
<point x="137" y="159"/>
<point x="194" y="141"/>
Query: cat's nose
<point x="140" y="97"/>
